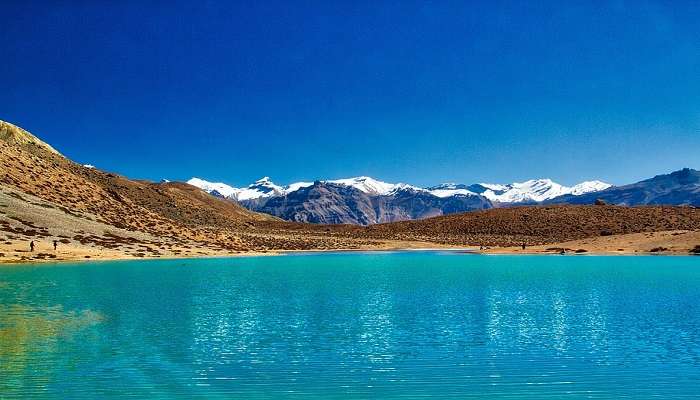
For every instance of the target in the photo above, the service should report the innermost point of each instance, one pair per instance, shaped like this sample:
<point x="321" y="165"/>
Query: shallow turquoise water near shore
<point x="380" y="325"/>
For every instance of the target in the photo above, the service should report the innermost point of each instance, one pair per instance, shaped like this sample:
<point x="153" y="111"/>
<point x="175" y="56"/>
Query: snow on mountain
<point x="374" y="187"/>
<point x="367" y="185"/>
<point x="588" y="187"/>
<point x="534" y="190"/>
<point x="450" y="189"/>
<point x="404" y="187"/>
<point x="263" y="187"/>
<point x="296" y="186"/>
<point x="494" y="186"/>
<point x="221" y="188"/>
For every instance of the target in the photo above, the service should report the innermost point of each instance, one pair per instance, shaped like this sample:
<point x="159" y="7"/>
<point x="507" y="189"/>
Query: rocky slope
<point x="336" y="203"/>
<point x="677" y="188"/>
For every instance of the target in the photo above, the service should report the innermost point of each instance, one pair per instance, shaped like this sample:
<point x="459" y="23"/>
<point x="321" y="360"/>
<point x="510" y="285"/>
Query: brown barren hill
<point x="542" y="224"/>
<point x="35" y="168"/>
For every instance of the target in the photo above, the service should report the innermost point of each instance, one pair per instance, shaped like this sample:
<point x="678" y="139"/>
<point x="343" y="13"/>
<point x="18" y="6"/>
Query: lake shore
<point x="657" y="243"/>
<point x="44" y="253"/>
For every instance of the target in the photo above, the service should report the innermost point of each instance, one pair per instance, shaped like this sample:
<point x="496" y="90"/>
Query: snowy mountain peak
<point x="588" y="187"/>
<point x="265" y="184"/>
<point x="534" y="190"/>
<point x="222" y="189"/>
<point x="448" y="186"/>
<point x="263" y="187"/>
<point x="367" y="185"/>
<point x="450" y="189"/>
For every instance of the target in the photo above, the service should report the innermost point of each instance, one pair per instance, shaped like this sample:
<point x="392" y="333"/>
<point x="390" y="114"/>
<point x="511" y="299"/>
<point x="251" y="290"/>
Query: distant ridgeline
<point x="365" y="201"/>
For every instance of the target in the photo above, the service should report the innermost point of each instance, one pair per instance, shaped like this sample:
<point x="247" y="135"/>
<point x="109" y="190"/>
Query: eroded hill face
<point x="34" y="168"/>
<point x="17" y="136"/>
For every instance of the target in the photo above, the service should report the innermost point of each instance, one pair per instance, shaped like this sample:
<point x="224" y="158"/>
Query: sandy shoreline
<point x="491" y="252"/>
<point x="651" y="243"/>
<point x="44" y="253"/>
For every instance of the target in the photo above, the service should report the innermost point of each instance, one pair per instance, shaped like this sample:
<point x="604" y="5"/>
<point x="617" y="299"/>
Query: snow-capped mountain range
<point x="263" y="187"/>
<point x="364" y="200"/>
<point x="536" y="190"/>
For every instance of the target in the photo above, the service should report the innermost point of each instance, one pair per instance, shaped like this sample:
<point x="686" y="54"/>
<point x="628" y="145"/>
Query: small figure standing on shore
<point x="523" y="246"/>
<point x="55" y="245"/>
<point x="31" y="246"/>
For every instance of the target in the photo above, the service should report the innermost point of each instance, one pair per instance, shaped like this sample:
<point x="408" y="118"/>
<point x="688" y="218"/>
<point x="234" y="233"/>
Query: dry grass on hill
<point x="542" y="224"/>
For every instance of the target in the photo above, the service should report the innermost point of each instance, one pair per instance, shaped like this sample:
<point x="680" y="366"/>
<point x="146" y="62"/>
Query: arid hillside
<point x="42" y="193"/>
<point x="542" y="224"/>
<point x="532" y="226"/>
<point x="36" y="169"/>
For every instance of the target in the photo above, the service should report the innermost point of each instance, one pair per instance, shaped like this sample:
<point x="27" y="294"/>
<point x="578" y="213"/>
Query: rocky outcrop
<point x="332" y="203"/>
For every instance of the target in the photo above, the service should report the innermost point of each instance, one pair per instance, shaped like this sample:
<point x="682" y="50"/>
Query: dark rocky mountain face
<point x="320" y="203"/>
<point x="330" y="203"/>
<point x="412" y="204"/>
<point x="677" y="188"/>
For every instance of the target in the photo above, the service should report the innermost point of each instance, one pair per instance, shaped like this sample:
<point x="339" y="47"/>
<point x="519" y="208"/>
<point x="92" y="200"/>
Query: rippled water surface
<point x="393" y="325"/>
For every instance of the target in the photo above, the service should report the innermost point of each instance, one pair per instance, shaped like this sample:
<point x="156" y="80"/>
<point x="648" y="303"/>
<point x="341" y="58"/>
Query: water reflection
<point x="494" y="326"/>
<point x="559" y="322"/>
<point x="28" y="332"/>
<point x="374" y="340"/>
<point x="596" y="325"/>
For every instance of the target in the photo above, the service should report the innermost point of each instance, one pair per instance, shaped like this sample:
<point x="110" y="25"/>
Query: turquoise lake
<point x="353" y="326"/>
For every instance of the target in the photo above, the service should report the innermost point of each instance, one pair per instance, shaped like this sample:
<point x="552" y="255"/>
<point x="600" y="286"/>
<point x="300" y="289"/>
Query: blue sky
<point x="419" y="92"/>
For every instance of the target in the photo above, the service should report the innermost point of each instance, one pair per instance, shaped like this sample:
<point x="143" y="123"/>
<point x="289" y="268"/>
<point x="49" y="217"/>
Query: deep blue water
<point x="383" y="325"/>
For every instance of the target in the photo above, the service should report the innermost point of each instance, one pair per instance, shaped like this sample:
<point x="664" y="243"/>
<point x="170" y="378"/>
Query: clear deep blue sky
<point x="420" y="92"/>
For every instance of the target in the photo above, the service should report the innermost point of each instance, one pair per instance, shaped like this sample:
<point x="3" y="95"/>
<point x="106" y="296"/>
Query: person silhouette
<point x="55" y="245"/>
<point x="31" y="246"/>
